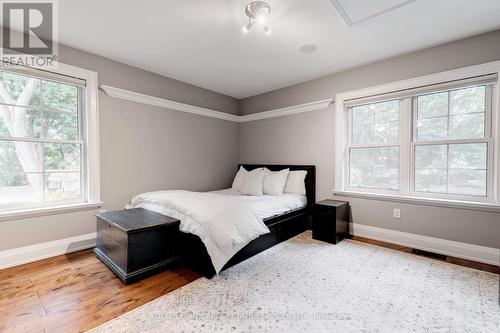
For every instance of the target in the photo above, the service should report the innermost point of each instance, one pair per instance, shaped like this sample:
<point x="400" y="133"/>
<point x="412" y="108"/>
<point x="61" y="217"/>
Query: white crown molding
<point x="488" y="255"/>
<point x="27" y="254"/>
<point x="165" y="103"/>
<point x="182" y="107"/>
<point x="307" y="107"/>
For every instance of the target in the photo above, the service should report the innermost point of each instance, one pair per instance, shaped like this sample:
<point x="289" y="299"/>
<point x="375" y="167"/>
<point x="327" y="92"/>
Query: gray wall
<point x="199" y="153"/>
<point x="143" y="148"/>
<point x="308" y="138"/>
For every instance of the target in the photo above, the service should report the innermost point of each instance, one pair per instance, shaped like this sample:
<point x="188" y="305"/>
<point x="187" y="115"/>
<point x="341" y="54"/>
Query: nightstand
<point x="330" y="221"/>
<point x="135" y="243"/>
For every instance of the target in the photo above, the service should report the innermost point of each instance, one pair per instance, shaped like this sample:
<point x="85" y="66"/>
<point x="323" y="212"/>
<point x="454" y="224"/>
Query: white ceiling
<point x="200" y="41"/>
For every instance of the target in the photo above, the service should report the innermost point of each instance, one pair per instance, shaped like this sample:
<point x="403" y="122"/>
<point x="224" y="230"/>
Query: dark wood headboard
<point x="310" y="180"/>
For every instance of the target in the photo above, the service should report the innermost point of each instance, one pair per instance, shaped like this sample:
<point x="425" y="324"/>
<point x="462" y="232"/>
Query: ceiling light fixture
<point x="257" y="12"/>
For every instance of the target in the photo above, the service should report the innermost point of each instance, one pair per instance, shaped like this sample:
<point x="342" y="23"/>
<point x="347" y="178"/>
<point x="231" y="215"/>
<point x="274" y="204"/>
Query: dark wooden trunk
<point x="136" y="243"/>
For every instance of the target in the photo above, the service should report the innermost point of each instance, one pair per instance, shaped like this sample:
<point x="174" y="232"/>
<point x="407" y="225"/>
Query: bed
<point x="221" y="228"/>
<point x="282" y="227"/>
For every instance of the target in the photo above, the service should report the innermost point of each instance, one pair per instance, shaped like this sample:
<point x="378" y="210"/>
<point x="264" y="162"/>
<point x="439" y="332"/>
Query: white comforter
<point x="267" y="206"/>
<point x="223" y="223"/>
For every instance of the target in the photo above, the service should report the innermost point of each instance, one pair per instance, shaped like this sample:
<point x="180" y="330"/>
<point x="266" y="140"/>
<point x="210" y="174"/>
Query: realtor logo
<point x="29" y="34"/>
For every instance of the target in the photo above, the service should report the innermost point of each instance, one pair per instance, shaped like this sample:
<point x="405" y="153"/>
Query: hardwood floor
<point x="448" y="259"/>
<point x="76" y="292"/>
<point x="73" y="293"/>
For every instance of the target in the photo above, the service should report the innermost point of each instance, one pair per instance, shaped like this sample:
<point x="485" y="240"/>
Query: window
<point x="374" y="153"/>
<point x="43" y="152"/>
<point x="433" y="140"/>
<point x="451" y="144"/>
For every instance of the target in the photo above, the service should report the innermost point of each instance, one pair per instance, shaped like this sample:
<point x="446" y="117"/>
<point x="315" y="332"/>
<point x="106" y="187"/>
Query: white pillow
<point x="239" y="178"/>
<point x="295" y="182"/>
<point x="274" y="181"/>
<point x="253" y="182"/>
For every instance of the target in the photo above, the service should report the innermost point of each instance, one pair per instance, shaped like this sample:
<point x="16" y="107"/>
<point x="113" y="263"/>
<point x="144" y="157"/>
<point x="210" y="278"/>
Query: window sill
<point x="45" y="211"/>
<point x="421" y="201"/>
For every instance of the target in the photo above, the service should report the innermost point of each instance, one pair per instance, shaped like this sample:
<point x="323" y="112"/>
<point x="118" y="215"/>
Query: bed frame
<point x="282" y="227"/>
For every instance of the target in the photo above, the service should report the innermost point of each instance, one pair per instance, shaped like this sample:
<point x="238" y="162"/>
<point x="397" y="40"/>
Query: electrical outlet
<point x="397" y="213"/>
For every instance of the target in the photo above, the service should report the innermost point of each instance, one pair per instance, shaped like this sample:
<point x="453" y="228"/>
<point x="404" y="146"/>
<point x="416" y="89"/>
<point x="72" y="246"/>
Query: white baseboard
<point x="468" y="251"/>
<point x="26" y="254"/>
<point x="488" y="255"/>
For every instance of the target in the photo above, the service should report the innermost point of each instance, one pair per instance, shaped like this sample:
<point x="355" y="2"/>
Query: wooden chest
<point x="136" y="243"/>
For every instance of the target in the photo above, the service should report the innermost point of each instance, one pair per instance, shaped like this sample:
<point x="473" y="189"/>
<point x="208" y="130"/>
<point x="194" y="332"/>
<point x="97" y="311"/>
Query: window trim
<point x="479" y="206"/>
<point x="341" y="185"/>
<point x="90" y="163"/>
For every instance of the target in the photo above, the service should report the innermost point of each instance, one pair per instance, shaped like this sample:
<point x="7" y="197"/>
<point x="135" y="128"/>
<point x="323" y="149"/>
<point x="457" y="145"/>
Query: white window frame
<point x="402" y="161"/>
<point x="89" y="127"/>
<point x="488" y="139"/>
<point x="406" y="191"/>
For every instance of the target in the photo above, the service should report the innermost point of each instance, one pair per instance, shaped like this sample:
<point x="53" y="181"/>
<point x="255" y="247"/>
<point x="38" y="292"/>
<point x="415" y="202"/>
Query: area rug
<point x="304" y="285"/>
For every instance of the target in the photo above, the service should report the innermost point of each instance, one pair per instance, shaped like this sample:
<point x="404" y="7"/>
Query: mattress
<point x="267" y="206"/>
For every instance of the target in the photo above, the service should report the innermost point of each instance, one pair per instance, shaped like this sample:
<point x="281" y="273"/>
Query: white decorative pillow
<point x="253" y="182"/>
<point x="239" y="178"/>
<point x="295" y="182"/>
<point x="275" y="181"/>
